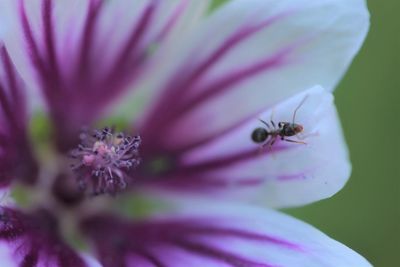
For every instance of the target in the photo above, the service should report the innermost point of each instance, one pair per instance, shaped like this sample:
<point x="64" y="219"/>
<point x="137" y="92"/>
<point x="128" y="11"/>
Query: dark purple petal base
<point x="34" y="240"/>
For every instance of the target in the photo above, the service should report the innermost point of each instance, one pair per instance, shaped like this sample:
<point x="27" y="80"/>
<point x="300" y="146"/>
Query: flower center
<point x="104" y="159"/>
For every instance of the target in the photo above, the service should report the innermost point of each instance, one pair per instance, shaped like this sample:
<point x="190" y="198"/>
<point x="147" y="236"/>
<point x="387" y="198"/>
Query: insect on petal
<point x="246" y="56"/>
<point x="233" y="166"/>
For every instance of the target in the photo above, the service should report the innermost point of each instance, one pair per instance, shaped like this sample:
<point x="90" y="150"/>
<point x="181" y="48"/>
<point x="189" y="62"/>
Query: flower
<point x="189" y="87"/>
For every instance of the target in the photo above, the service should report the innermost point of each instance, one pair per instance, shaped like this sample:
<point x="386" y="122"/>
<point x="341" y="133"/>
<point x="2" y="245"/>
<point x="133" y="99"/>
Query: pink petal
<point x="232" y="166"/>
<point x="82" y="55"/>
<point x="245" y="57"/>
<point x="33" y="240"/>
<point x="16" y="159"/>
<point x="216" y="236"/>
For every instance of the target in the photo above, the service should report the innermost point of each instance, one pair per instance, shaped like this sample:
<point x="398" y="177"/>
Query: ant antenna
<point x="272" y="116"/>
<point x="295" y="111"/>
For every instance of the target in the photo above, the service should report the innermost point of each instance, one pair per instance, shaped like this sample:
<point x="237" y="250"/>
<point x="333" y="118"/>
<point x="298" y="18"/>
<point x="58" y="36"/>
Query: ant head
<point x="297" y="128"/>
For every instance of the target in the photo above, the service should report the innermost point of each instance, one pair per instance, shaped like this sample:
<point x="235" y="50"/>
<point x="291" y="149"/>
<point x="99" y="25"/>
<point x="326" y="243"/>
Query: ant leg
<point x="260" y="149"/>
<point x="271" y="119"/>
<point x="304" y="136"/>
<point x="266" y="124"/>
<point x="294" y="141"/>
<point x="270" y="143"/>
<point x="266" y="144"/>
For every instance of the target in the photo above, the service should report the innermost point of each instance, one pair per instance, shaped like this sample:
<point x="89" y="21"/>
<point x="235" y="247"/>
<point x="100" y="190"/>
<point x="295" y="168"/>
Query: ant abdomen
<point x="259" y="135"/>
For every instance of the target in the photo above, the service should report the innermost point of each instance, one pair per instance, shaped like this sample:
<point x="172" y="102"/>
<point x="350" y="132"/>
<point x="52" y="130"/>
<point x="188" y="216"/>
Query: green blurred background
<point x="365" y="215"/>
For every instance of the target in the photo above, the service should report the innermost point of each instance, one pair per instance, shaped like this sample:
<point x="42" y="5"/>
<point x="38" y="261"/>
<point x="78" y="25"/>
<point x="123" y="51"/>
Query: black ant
<point x="285" y="129"/>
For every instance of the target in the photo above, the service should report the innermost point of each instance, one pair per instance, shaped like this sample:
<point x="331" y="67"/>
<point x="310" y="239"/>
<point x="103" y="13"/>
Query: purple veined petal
<point x="32" y="240"/>
<point x="215" y="235"/>
<point x="248" y="55"/>
<point x="8" y="259"/>
<point x="232" y="166"/>
<point x="16" y="159"/>
<point x="131" y="106"/>
<point x="82" y="55"/>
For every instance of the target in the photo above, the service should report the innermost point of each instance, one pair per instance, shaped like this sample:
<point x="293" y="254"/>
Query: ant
<point x="285" y="129"/>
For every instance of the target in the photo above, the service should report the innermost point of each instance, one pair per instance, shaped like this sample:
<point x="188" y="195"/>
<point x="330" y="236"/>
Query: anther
<point x="102" y="160"/>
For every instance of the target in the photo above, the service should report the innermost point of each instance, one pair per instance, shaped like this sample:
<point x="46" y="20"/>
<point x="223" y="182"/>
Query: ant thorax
<point x="290" y="129"/>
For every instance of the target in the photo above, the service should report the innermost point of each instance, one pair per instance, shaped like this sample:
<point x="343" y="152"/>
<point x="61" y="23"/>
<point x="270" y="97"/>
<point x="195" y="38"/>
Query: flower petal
<point x="283" y="174"/>
<point x="16" y="159"/>
<point x="216" y="236"/>
<point x="32" y="240"/>
<point x="246" y="56"/>
<point x="90" y="261"/>
<point x="84" y="54"/>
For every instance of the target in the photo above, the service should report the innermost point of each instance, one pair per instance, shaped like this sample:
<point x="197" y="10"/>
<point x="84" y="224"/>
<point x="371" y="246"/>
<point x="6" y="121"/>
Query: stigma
<point x="103" y="160"/>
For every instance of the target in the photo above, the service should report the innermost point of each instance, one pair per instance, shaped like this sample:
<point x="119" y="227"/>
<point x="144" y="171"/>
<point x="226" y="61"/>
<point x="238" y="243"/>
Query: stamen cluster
<point x="103" y="159"/>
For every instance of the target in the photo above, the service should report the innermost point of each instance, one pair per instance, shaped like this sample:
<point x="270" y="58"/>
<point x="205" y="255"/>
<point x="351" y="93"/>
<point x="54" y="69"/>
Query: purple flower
<point x="156" y="101"/>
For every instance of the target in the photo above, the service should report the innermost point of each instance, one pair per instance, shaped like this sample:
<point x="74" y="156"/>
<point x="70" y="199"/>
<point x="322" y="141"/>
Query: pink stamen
<point x="103" y="159"/>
